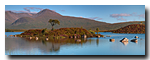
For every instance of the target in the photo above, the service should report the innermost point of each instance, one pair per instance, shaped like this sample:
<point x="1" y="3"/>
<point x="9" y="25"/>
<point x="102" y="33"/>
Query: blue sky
<point x="104" y="13"/>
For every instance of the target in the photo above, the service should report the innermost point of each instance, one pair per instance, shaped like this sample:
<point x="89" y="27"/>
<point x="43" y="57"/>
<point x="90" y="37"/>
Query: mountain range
<point x="40" y="20"/>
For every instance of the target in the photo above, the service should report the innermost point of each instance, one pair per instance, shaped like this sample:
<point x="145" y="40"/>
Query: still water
<point x="89" y="46"/>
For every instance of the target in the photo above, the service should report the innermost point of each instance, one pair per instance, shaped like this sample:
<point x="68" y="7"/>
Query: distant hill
<point x="134" y="28"/>
<point x="40" y="20"/>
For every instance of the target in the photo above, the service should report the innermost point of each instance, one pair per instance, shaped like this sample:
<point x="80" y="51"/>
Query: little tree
<point x="54" y="22"/>
<point x="97" y="29"/>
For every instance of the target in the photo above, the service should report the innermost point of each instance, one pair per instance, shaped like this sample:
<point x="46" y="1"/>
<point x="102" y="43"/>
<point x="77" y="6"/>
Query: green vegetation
<point x="54" y="22"/>
<point x="97" y="30"/>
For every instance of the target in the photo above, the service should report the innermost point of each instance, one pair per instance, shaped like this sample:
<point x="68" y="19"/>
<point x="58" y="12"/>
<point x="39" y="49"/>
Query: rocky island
<point x="59" y="33"/>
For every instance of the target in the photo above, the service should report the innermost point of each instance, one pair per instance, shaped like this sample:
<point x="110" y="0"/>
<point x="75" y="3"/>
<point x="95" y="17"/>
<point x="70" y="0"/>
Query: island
<point x="59" y="33"/>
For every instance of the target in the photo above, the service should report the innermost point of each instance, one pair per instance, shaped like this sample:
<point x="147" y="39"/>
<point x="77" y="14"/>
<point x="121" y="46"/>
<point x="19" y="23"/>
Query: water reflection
<point x="89" y="46"/>
<point x="97" y="41"/>
<point x="52" y="45"/>
<point x="125" y="43"/>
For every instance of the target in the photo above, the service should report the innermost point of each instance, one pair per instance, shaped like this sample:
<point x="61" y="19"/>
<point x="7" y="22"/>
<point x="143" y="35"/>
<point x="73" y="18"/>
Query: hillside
<point x="40" y="20"/>
<point x="134" y="28"/>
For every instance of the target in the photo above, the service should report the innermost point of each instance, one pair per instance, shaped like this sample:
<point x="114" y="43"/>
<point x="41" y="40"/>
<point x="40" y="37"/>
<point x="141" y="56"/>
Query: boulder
<point x="98" y="36"/>
<point x="108" y="36"/>
<point x="36" y="38"/>
<point x="10" y="35"/>
<point x="75" y="37"/>
<point x="46" y="38"/>
<point x="134" y="40"/>
<point x="112" y="40"/>
<point x="136" y="37"/>
<point x="70" y="37"/>
<point x="30" y="37"/>
<point x="84" y="36"/>
<point x="124" y="40"/>
<point x="15" y="35"/>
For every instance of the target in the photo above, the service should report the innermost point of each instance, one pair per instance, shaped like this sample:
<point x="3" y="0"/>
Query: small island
<point x="59" y="33"/>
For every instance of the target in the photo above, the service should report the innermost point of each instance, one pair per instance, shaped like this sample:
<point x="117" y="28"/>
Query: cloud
<point x="120" y="15"/>
<point x="121" y="19"/>
<point x="21" y="11"/>
<point x="27" y="10"/>
<point x="141" y="15"/>
<point x="32" y="8"/>
<point x="95" y="18"/>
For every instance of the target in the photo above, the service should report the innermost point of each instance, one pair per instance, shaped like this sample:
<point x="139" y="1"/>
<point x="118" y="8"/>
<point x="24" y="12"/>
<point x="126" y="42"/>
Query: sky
<point x="103" y="13"/>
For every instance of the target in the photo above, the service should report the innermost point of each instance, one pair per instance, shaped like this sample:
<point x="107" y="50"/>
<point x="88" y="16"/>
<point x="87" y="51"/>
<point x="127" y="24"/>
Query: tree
<point x="54" y="22"/>
<point x="97" y="29"/>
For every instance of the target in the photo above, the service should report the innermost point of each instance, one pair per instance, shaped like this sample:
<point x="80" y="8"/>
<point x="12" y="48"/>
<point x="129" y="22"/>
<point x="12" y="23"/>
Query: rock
<point x="84" y="36"/>
<point x="46" y="39"/>
<point x="10" y="35"/>
<point x="30" y="37"/>
<point x="124" y="40"/>
<point x="70" y="37"/>
<point x="134" y="40"/>
<point x="136" y="37"/>
<point x="112" y="40"/>
<point x="108" y="36"/>
<point x="98" y="36"/>
<point x="75" y="36"/>
<point x="36" y="38"/>
<point x="5" y="35"/>
<point x="15" y="35"/>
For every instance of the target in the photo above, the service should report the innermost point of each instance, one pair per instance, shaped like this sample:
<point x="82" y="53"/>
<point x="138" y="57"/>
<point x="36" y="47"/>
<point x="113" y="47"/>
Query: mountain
<point x="40" y="20"/>
<point x="134" y="28"/>
<point x="23" y="20"/>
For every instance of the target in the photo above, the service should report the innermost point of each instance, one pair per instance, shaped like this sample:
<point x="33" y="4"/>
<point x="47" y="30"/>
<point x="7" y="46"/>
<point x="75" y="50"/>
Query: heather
<point x="59" y="33"/>
<point x="134" y="28"/>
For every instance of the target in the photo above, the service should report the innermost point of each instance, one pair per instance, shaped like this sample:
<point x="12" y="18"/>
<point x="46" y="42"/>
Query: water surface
<point x="89" y="46"/>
